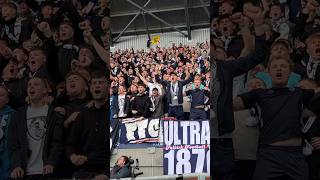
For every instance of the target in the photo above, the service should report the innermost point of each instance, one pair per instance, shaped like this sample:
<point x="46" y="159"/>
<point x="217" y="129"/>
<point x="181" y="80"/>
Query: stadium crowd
<point x="160" y="82"/>
<point x="54" y="66"/>
<point x="266" y="67"/>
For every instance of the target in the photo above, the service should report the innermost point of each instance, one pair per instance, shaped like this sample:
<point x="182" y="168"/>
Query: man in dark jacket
<point x="35" y="135"/>
<point x="77" y="99"/>
<point x="88" y="142"/>
<point x="5" y="118"/>
<point x="15" y="86"/>
<point x="141" y="104"/>
<point x="174" y="94"/>
<point x="222" y="120"/>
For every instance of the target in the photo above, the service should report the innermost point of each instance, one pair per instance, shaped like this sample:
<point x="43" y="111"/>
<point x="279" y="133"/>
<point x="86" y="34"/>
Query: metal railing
<point x="199" y="176"/>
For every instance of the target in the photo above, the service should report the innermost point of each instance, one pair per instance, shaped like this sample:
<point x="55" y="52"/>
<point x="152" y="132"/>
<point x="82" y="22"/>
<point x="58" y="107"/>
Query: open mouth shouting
<point x="32" y="92"/>
<point x="72" y="86"/>
<point x="97" y="92"/>
<point x="279" y="75"/>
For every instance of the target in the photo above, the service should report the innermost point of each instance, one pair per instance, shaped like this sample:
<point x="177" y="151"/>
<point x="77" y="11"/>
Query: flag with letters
<point x="186" y="146"/>
<point x="139" y="133"/>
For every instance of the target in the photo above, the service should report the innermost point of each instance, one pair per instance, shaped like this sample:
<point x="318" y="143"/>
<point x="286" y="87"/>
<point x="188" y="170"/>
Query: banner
<point x="186" y="147"/>
<point x="139" y="133"/>
<point x="155" y="40"/>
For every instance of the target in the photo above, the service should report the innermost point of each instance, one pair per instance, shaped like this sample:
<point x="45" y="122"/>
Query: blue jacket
<point x="5" y="118"/>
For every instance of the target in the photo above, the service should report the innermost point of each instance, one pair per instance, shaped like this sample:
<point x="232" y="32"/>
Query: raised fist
<point x="240" y="19"/>
<point x="85" y="25"/>
<point x="87" y="37"/>
<point x="44" y="27"/>
<point x="254" y="12"/>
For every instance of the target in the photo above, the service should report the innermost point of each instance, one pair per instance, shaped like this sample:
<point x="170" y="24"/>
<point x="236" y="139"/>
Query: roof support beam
<point x="166" y="29"/>
<point x="156" y="17"/>
<point x="186" y="11"/>
<point x="132" y="20"/>
<point x="146" y="25"/>
<point x="205" y="8"/>
<point x="153" y="10"/>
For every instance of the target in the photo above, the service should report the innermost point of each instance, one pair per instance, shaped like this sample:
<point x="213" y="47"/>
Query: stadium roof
<point x="134" y="17"/>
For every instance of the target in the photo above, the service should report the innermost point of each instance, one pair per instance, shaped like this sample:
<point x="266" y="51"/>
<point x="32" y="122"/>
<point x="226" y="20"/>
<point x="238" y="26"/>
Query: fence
<point x="194" y="176"/>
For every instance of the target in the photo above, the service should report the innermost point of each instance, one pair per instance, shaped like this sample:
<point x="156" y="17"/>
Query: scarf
<point x="15" y="36"/>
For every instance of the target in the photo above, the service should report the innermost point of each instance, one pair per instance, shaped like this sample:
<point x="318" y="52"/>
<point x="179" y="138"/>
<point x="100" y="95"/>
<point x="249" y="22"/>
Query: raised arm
<point x="44" y="31"/>
<point x="247" y="37"/>
<point x="103" y="53"/>
<point x="244" y="64"/>
<point x="190" y="79"/>
<point x="141" y="77"/>
<point x="163" y="82"/>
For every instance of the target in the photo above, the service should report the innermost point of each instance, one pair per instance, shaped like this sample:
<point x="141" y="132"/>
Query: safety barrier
<point x="193" y="176"/>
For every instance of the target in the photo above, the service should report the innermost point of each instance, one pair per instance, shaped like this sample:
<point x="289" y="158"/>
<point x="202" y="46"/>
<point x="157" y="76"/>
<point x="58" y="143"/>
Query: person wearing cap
<point x="174" y="95"/>
<point x="6" y="113"/>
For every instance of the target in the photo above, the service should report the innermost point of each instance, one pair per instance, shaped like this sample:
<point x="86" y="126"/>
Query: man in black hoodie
<point x="35" y="135"/>
<point x="141" y="104"/>
<point x="88" y="142"/>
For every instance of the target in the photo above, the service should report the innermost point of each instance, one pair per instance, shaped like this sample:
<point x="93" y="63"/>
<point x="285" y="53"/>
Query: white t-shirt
<point x="121" y="102"/>
<point x="36" y="132"/>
